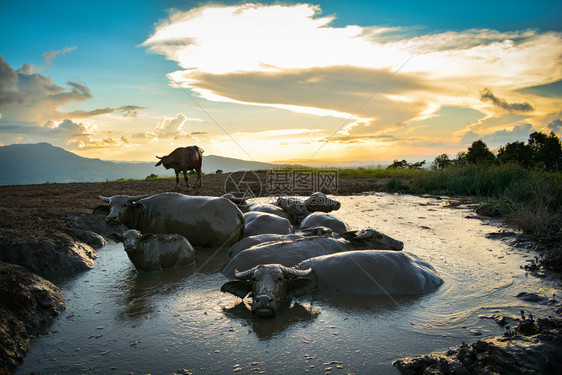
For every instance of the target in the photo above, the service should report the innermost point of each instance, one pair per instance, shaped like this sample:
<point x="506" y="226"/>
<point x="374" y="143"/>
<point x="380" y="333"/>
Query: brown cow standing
<point x="184" y="159"/>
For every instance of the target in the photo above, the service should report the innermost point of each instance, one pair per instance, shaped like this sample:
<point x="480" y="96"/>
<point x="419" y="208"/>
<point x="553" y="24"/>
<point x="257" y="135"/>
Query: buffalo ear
<point x="300" y="286"/>
<point x="117" y="237"/>
<point x="102" y="209"/>
<point x="349" y="235"/>
<point x="147" y="237"/>
<point x="137" y="212"/>
<point x="237" y="287"/>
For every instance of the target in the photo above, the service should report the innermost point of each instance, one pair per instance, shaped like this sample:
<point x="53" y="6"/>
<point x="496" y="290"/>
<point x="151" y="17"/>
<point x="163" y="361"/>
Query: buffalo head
<point x="132" y="238"/>
<point x="124" y="209"/>
<point x="320" y="202"/>
<point x="165" y="161"/>
<point x="370" y="239"/>
<point x="270" y="285"/>
<point x="294" y="207"/>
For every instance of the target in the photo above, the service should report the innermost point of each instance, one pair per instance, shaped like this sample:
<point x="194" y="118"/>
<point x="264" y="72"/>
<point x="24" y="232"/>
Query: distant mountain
<point x="22" y="164"/>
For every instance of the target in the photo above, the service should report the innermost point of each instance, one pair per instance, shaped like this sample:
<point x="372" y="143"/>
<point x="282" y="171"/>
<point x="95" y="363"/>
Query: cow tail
<point x="201" y="151"/>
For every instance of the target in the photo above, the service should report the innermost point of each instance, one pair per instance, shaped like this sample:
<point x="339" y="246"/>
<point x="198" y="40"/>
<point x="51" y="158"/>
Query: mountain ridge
<point x="36" y="163"/>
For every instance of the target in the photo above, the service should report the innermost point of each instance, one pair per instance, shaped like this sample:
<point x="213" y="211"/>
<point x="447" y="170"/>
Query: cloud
<point x="315" y="68"/>
<point x="27" y="96"/>
<point x="486" y="95"/>
<point x="30" y="110"/>
<point x="88" y="142"/>
<point x="68" y="127"/>
<point x="129" y="110"/>
<point x="501" y="137"/>
<point x="8" y="85"/>
<point x="469" y="137"/>
<point x="126" y="110"/>
<point x="555" y="126"/>
<point x="65" y="133"/>
<point x="51" y="55"/>
<point x="337" y="91"/>
<point x="170" y="127"/>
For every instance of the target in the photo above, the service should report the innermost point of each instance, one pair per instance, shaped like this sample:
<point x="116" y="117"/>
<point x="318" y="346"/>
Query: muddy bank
<point x="532" y="347"/>
<point x="28" y="303"/>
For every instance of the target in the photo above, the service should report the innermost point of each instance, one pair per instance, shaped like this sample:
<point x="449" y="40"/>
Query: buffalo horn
<point x="159" y="157"/>
<point x="244" y="275"/>
<point x="292" y="272"/>
<point x="105" y="199"/>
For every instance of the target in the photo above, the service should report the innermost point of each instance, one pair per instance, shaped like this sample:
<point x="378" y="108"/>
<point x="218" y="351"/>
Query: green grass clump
<point x="469" y="180"/>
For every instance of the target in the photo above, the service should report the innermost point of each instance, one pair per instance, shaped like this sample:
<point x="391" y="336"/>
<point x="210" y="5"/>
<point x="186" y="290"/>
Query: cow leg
<point x="199" y="181"/>
<point x="186" y="183"/>
<point x="177" y="180"/>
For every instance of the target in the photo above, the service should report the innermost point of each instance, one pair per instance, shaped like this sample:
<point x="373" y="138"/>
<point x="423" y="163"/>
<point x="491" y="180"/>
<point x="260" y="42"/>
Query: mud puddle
<point x="119" y="321"/>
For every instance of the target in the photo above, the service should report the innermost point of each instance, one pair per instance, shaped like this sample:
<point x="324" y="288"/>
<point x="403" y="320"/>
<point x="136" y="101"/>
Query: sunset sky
<point x="328" y="81"/>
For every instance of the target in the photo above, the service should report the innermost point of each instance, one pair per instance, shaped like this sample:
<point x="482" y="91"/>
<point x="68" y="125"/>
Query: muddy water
<point x="118" y="321"/>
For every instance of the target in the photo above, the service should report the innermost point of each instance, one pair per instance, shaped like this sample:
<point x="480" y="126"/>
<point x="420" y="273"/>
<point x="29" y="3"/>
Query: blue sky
<point x="414" y="66"/>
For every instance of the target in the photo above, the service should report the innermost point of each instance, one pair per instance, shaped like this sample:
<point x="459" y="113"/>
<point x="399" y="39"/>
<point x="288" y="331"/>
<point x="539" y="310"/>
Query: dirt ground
<point x="47" y="207"/>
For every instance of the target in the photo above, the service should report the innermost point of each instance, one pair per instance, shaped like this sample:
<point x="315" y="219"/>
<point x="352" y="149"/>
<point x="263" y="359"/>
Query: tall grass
<point x="475" y="180"/>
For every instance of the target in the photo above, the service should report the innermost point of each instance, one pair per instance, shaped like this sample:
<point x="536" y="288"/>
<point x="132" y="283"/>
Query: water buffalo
<point x="298" y="209"/>
<point x="204" y="221"/>
<point x="184" y="159"/>
<point x="264" y="223"/>
<point x="320" y="202"/>
<point x="350" y="273"/>
<point x="153" y="252"/>
<point x="295" y="209"/>
<point x="245" y="207"/>
<point x="248" y="242"/>
<point x="317" y="219"/>
<point x="251" y="241"/>
<point x="289" y="253"/>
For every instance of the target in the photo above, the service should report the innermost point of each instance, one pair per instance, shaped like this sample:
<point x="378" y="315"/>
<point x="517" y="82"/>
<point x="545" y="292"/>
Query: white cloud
<point x="171" y="127"/>
<point x="289" y="56"/>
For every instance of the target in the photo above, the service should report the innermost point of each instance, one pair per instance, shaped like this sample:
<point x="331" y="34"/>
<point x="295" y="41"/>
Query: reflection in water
<point x="267" y="328"/>
<point x="142" y="287"/>
<point x="366" y="304"/>
<point x="120" y="321"/>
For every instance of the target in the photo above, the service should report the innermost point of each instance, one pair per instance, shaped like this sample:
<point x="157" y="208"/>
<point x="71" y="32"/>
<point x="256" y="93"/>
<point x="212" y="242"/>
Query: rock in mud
<point x="28" y="304"/>
<point x="533" y="347"/>
<point x="46" y="254"/>
<point x="533" y="297"/>
<point x="90" y="238"/>
<point x="95" y="223"/>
